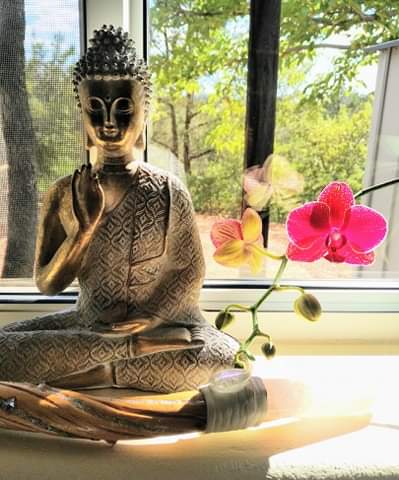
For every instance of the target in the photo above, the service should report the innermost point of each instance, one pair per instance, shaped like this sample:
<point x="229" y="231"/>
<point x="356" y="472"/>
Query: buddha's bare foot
<point x="97" y="377"/>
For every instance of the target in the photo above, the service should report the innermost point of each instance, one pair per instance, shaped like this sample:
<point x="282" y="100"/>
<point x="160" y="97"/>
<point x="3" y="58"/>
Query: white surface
<point x="340" y="437"/>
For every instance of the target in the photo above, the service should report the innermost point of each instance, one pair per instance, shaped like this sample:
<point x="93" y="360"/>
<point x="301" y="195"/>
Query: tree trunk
<point x="20" y="142"/>
<point x="186" y="135"/>
<point x="263" y="47"/>
<point x="175" y="136"/>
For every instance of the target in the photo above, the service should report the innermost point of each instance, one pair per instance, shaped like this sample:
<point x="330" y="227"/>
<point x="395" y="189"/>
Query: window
<point x="197" y="128"/>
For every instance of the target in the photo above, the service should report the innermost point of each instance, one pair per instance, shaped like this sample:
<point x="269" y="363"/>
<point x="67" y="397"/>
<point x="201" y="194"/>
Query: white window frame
<point x="368" y="301"/>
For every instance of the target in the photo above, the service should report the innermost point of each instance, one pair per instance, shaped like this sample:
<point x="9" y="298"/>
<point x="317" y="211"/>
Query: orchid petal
<point x="347" y="254"/>
<point x="310" y="254"/>
<point x="258" y="196"/>
<point x="308" y="223"/>
<point x="250" y="183"/>
<point x="260" y="173"/>
<point x="225" y="230"/>
<point x="339" y="197"/>
<point x="364" y="227"/>
<point x="251" y="225"/>
<point x="231" y="254"/>
<point x="255" y="258"/>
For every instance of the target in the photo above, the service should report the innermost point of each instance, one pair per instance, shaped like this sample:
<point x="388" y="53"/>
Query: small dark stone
<point x="8" y="404"/>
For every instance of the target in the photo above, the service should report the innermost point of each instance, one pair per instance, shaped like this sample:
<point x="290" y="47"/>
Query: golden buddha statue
<point x="127" y="231"/>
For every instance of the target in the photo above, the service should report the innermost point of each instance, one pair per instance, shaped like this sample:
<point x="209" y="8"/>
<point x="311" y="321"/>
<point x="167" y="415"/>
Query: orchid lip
<point x="335" y="240"/>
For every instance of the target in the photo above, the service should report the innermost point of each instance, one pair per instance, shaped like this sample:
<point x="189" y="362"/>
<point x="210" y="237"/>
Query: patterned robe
<point x="145" y="262"/>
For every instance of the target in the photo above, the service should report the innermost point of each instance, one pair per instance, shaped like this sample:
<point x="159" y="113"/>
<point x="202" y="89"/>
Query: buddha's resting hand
<point x="163" y="339"/>
<point x="111" y="323"/>
<point x="87" y="198"/>
<point x="157" y="337"/>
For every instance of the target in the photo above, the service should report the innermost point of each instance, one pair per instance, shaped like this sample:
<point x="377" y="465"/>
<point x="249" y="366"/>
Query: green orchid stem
<point x="236" y="306"/>
<point x="274" y="256"/>
<point x="376" y="187"/>
<point x="273" y="286"/>
<point x="290" y="287"/>
<point x="256" y="332"/>
<point x="255" y="325"/>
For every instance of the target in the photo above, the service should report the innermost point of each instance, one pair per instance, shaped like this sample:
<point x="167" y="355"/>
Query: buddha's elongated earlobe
<point x="88" y="142"/>
<point x="140" y="142"/>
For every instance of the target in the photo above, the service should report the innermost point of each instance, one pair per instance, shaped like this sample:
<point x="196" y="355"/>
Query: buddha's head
<point x="113" y="91"/>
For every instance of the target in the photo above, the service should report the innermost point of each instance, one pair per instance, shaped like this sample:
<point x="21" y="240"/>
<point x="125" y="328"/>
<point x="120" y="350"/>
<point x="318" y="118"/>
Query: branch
<point x="202" y="154"/>
<point x="327" y="21"/>
<point x="165" y="101"/>
<point x="207" y="14"/>
<point x="194" y="114"/>
<point x="163" y="144"/>
<point x="317" y="45"/>
<point x="199" y="125"/>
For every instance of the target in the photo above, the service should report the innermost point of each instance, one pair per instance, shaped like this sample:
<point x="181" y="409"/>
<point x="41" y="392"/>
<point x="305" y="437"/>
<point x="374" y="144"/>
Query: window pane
<point x="327" y="97"/>
<point x="198" y="56"/>
<point x="40" y="133"/>
<point x="335" y="121"/>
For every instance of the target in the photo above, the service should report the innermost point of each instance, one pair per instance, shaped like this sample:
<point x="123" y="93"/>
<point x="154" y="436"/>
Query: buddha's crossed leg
<point x="45" y="355"/>
<point x="64" y="320"/>
<point x="74" y="358"/>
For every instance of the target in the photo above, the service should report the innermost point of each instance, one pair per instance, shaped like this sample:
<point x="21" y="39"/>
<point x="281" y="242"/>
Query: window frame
<point x="376" y="297"/>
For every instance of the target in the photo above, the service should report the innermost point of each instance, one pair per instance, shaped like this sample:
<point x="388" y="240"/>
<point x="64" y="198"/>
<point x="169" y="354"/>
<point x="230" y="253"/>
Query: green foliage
<point x="321" y="146"/>
<point x="198" y="44"/>
<point x="195" y="44"/>
<point x="215" y="187"/>
<point x="309" y="26"/>
<point x="54" y="112"/>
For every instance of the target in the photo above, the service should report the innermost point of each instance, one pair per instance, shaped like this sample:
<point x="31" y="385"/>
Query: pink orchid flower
<point x="239" y="242"/>
<point x="335" y="228"/>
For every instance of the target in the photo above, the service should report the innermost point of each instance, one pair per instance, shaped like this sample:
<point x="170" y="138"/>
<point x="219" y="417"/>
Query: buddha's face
<point x="113" y="114"/>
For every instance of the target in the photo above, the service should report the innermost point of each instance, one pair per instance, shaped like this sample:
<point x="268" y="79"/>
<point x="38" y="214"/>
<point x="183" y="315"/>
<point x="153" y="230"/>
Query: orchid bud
<point x="223" y="319"/>
<point x="308" y="307"/>
<point x="268" y="350"/>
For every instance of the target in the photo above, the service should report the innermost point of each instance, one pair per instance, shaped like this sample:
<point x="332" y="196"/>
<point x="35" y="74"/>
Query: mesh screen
<point x="40" y="130"/>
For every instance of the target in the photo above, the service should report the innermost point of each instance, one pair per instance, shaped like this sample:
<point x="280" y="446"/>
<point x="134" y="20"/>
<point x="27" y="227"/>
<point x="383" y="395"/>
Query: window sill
<point x="342" y="296"/>
<point x="349" y="430"/>
<point x="373" y="331"/>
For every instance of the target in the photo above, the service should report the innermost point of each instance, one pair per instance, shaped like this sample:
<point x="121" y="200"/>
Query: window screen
<point x="40" y="132"/>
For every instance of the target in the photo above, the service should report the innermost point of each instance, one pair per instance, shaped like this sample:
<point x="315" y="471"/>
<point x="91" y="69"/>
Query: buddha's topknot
<point x="112" y="56"/>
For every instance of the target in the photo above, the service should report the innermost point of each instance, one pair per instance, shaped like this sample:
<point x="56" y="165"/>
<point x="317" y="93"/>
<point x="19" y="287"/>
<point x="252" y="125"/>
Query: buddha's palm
<point x="87" y="198"/>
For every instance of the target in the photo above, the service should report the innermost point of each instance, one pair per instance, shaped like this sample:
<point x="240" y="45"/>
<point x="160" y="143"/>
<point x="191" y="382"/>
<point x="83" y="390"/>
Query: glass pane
<point x="329" y="90"/>
<point x="199" y="66"/>
<point x="40" y="132"/>
<point x="336" y="120"/>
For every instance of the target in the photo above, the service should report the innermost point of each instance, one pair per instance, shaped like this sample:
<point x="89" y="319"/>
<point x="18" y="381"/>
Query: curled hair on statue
<point x="112" y="55"/>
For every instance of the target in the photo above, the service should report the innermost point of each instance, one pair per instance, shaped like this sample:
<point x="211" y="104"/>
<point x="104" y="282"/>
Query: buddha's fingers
<point x="133" y="326"/>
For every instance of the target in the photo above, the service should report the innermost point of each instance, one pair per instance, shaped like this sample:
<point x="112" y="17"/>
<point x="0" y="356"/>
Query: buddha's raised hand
<point x="87" y="198"/>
